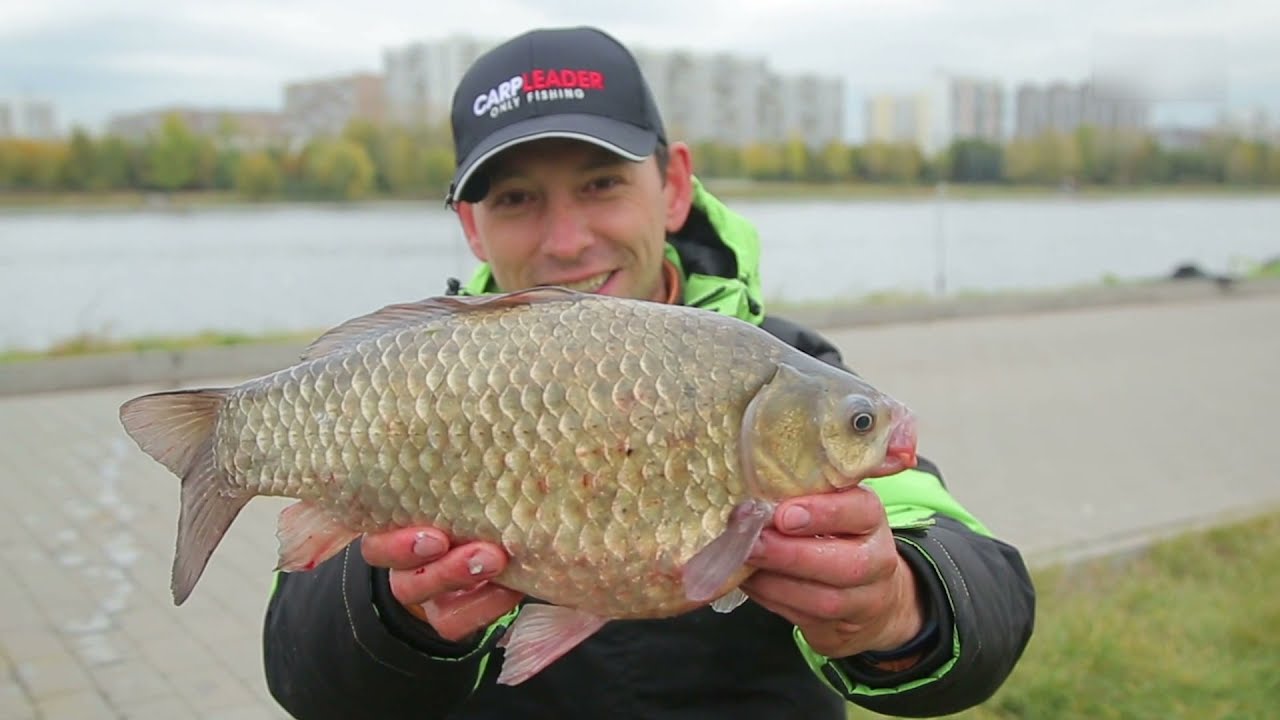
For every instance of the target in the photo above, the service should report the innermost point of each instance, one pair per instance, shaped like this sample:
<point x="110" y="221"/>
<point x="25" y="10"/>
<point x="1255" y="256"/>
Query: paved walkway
<point x="1065" y="432"/>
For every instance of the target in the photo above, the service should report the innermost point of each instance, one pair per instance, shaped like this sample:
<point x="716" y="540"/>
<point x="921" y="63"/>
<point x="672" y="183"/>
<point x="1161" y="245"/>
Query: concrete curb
<point x="166" y="369"/>
<point x="1154" y="293"/>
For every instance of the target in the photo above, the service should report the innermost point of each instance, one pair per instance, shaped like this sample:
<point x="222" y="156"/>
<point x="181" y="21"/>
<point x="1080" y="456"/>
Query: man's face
<point x="564" y="212"/>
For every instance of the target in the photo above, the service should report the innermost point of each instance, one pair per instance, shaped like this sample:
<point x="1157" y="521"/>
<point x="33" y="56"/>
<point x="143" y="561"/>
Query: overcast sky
<point x="94" y="58"/>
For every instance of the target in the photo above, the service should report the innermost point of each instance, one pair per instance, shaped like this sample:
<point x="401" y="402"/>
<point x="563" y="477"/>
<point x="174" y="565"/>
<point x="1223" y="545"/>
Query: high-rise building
<point x="898" y="119"/>
<point x="963" y="108"/>
<point x="324" y="107"/>
<point x="1252" y="123"/>
<point x="1063" y="107"/>
<point x="723" y="97"/>
<point x="243" y="129"/>
<point x="28" y="118"/>
<point x="421" y="78"/>
<point x="739" y="100"/>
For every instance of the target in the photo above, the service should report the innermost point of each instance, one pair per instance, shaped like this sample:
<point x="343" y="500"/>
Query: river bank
<point x="726" y="188"/>
<point x="173" y="366"/>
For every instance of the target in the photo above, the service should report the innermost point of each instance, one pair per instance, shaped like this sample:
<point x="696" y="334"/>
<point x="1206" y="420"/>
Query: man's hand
<point x="442" y="586"/>
<point x="829" y="565"/>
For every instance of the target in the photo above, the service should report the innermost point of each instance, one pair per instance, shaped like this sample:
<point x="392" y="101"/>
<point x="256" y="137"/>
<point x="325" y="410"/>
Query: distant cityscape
<point x="725" y="98"/>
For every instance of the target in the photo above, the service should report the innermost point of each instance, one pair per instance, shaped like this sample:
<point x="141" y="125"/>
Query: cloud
<point x="96" y="58"/>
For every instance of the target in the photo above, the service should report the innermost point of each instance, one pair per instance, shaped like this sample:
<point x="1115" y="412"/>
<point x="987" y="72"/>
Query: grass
<point x="730" y="189"/>
<point x="89" y="344"/>
<point x="1268" y="269"/>
<point x="727" y="188"/>
<point x="1188" y="629"/>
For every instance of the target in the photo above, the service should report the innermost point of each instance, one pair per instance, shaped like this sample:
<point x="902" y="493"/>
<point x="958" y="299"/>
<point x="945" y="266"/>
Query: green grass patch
<point x="89" y="344"/>
<point x="726" y="188"/>
<point x="1188" y="629"/>
<point x="1268" y="269"/>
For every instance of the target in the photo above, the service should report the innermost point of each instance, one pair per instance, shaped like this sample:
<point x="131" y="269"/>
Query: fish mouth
<point x="588" y="284"/>
<point x="900" y="451"/>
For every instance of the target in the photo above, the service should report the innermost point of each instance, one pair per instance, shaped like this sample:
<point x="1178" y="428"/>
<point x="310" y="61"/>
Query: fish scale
<point x="625" y="453"/>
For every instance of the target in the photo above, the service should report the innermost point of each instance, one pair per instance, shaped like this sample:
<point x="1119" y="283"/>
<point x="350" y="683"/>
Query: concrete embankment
<point x="176" y="367"/>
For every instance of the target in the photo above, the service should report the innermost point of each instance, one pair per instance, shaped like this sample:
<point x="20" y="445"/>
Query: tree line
<point x="368" y="160"/>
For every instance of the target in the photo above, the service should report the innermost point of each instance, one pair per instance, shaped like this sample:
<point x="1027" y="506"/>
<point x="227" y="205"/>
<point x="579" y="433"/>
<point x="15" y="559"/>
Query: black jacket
<point x="337" y="645"/>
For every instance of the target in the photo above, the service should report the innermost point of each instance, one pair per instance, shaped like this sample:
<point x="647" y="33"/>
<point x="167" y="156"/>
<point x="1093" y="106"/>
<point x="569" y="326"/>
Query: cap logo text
<point x="537" y="85"/>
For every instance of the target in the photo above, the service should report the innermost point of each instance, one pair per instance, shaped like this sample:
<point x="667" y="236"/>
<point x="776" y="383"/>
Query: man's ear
<point x="679" y="185"/>
<point x="467" y="218"/>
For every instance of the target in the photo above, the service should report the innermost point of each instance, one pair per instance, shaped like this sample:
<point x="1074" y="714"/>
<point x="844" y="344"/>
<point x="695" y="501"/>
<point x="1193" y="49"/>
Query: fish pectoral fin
<point x="308" y="536"/>
<point x="540" y="635"/>
<point x="706" y="573"/>
<point x="729" y="601"/>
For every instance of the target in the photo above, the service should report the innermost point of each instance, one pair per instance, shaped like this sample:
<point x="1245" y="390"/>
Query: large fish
<point x="625" y="453"/>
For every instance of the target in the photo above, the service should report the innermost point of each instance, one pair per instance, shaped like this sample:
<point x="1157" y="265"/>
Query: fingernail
<point x="795" y="518"/>
<point x="479" y="564"/>
<point x="427" y="546"/>
<point x="758" y="548"/>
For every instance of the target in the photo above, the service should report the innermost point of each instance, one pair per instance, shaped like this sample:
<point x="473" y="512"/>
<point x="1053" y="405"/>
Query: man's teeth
<point x="591" y="284"/>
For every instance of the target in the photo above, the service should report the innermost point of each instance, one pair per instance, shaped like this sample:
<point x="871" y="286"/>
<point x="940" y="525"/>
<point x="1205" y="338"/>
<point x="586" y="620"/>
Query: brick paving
<point x="1067" y="433"/>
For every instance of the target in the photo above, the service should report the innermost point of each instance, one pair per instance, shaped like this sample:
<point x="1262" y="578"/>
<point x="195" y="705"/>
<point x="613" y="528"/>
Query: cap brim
<point x="629" y="141"/>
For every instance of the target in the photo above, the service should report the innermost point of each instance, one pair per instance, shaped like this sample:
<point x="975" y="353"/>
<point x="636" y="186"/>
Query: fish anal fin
<point x="540" y="635"/>
<point x="707" y="573"/>
<point x="308" y="536"/>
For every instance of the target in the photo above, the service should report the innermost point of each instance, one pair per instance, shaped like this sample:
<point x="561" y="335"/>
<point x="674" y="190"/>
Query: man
<point x="890" y="596"/>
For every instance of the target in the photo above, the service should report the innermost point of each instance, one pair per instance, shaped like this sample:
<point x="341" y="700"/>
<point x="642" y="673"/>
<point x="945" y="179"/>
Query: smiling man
<point x="890" y="595"/>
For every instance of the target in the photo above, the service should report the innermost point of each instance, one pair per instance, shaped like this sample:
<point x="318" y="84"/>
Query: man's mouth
<point x="591" y="284"/>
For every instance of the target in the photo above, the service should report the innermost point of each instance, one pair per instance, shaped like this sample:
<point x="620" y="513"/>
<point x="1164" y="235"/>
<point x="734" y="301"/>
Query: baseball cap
<point x="577" y="83"/>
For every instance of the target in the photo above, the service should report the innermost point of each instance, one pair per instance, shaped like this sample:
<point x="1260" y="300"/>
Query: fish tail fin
<point x="176" y="428"/>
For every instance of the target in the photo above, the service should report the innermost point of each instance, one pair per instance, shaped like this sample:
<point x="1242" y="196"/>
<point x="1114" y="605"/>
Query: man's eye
<point x="510" y="198"/>
<point x="605" y="183"/>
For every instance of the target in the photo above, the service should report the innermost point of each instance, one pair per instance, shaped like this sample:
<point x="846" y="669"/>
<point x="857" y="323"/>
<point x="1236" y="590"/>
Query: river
<point x="120" y="274"/>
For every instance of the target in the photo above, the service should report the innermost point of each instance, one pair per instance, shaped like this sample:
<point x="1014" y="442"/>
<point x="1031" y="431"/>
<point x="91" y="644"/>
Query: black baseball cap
<point x="577" y="83"/>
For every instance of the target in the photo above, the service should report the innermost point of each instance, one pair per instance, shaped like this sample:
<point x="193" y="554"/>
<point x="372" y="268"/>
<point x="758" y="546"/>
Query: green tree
<point x="974" y="161"/>
<point x="375" y="142"/>
<point x="406" y="171"/>
<point x="1271" y="175"/>
<point x="81" y="160"/>
<point x="340" y="169"/>
<point x="795" y="159"/>
<point x="762" y="161"/>
<point x="174" y="157"/>
<point x="1246" y="163"/>
<point x="836" y="162"/>
<point x="438" y="163"/>
<point x="890" y="162"/>
<point x="258" y="176"/>
<point x="113" y="165"/>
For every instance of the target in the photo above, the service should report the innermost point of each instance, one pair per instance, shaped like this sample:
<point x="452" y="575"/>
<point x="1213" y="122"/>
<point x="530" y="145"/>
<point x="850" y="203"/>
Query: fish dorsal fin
<point x="401" y="315"/>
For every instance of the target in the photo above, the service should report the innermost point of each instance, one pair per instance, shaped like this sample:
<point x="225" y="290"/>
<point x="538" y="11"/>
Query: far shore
<point x="726" y="188"/>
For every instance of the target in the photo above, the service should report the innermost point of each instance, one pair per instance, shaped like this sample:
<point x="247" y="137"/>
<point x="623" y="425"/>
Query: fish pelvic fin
<point x="176" y="428"/>
<point x="540" y="635"/>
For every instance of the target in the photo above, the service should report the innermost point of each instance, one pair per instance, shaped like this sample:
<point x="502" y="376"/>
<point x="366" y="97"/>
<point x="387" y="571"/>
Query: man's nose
<point x="565" y="230"/>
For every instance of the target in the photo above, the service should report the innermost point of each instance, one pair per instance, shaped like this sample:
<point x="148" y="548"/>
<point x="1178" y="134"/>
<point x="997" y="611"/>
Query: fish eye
<point x="861" y="416"/>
